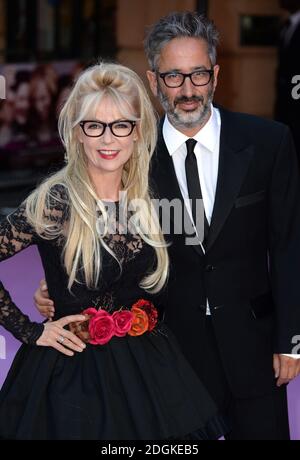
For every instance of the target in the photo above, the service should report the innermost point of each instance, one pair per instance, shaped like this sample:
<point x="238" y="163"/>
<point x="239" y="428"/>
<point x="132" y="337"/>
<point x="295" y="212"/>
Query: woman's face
<point x="107" y="153"/>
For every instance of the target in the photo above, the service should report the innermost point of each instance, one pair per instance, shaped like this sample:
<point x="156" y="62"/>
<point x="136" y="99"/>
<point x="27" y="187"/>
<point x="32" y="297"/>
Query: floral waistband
<point x="100" y="326"/>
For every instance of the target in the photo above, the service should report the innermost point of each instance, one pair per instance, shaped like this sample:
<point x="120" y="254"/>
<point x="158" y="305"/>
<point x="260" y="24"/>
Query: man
<point x="233" y="298"/>
<point x="287" y="107"/>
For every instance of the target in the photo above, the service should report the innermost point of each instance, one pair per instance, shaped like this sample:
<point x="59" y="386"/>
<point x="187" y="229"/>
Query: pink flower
<point x="90" y="311"/>
<point x="123" y="321"/>
<point x="101" y="328"/>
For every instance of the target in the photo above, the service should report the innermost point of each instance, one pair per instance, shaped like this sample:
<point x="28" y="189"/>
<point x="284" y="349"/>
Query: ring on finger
<point x="61" y="339"/>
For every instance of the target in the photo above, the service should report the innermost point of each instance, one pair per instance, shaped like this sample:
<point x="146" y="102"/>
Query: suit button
<point x="210" y="268"/>
<point x="217" y="307"/>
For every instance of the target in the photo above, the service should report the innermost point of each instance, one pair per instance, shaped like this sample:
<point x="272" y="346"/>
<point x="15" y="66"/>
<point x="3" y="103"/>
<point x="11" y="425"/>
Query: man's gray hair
<point x="180" y="24"/>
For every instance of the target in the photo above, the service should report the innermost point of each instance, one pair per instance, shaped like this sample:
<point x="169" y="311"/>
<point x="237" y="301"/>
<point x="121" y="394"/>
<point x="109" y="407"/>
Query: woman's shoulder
<point x="57" y="196"/>
<point x="57" y="202"/>
<point x="59" y="192"/>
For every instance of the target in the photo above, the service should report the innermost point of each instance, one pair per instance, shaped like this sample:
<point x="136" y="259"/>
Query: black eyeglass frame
<point x="185" y="75"/>
<point x="105" y="125"/>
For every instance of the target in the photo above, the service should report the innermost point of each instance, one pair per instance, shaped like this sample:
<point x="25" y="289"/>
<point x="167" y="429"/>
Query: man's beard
<point x="187" y="120"/>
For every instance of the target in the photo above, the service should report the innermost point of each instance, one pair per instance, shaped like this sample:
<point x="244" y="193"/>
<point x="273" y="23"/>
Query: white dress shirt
<point x="207" y="152"/>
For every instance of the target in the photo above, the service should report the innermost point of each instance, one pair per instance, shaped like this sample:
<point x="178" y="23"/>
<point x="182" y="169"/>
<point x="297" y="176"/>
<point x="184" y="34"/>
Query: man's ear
<point x="152" y="81"/>
<point x="216" y="73"/>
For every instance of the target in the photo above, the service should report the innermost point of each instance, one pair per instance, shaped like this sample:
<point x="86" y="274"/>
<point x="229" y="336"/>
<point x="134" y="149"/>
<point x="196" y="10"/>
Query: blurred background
<point x="44" y="44"/>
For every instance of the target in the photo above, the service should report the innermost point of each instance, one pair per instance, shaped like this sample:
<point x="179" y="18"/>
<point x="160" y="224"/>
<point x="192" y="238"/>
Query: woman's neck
<point x="107" y="185"/>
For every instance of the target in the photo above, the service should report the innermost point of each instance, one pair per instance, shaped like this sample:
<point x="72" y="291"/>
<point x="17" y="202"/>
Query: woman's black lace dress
<point x="130" y="388"/>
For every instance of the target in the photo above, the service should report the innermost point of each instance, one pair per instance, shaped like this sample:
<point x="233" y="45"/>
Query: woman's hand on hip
<point x="61" y="339"/>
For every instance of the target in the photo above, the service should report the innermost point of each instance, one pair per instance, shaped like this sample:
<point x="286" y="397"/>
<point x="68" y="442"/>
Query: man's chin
<point x="190" y="119"/>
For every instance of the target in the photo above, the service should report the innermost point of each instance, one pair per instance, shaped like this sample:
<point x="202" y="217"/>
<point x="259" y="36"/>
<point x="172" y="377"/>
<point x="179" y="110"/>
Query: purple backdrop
<point x="27" y="270"/>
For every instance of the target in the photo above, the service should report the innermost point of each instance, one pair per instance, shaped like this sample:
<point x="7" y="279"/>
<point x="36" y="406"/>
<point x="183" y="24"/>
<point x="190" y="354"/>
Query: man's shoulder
<point x="250" y="125"/>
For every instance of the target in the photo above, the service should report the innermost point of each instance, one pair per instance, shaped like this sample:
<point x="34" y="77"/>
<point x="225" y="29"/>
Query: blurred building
<point x="42" y="30"/>
<point x="59" y="37"/>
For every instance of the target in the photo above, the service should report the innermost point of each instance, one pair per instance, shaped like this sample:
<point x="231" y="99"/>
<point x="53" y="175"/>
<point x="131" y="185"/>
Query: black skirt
<point x="129" y="389"/>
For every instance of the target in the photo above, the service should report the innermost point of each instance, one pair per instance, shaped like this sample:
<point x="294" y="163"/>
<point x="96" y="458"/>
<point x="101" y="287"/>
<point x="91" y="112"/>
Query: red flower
<point x="140" y="322"/>
<point x="81" y="328"/>
<point x="101" y="328"/>
<point x="150" y="310"/>
<point x="123" y="321"/>
<point x="91" y="311"/>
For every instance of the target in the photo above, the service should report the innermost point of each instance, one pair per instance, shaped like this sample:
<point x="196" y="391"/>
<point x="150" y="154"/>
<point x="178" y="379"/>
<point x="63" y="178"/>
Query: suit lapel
<point x="165" y="177"/>
<point x="164" y="171"/>
<point x="234" y="159"/>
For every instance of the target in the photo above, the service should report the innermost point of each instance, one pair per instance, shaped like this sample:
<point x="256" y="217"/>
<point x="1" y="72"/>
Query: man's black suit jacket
<point x="250" y="272"/>
<point x="287" y="109"/>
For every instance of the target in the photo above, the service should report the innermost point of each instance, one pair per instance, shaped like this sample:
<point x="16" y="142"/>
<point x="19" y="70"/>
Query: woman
<point x="116" y="372"/>
<point x="42" y="113"/>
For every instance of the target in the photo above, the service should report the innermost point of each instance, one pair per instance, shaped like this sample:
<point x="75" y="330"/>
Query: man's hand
<point x="42" y="301"/>
<point x="285" y="368"/>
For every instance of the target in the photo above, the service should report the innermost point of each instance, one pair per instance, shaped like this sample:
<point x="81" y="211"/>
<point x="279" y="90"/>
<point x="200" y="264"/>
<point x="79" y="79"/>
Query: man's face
<point x="188" y="106"/>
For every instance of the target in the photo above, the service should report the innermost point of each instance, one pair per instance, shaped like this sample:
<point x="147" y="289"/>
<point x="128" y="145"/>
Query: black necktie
<point x="193" y="183"/>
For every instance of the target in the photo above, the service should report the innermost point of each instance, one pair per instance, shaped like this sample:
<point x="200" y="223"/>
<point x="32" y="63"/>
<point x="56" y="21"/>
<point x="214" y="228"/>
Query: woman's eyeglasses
<point x="121" y="128"/>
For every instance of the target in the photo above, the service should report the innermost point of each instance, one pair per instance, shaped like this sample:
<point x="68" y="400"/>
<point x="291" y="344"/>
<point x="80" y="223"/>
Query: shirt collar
<point x="206" y="136"/>
<point x="295" y="18"/>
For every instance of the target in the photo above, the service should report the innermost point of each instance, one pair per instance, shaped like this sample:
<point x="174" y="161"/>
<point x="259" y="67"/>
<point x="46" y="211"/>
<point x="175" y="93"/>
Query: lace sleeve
<point x="17" y="234"/>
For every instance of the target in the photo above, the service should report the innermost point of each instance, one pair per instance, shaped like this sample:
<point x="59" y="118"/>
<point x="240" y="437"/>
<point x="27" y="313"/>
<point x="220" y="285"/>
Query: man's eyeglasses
<point x="176" y="79"/>
<point x="121" y="128"/>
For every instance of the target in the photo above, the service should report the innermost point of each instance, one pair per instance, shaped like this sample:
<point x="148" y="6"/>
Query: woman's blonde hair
<point x="82" y="249"/>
